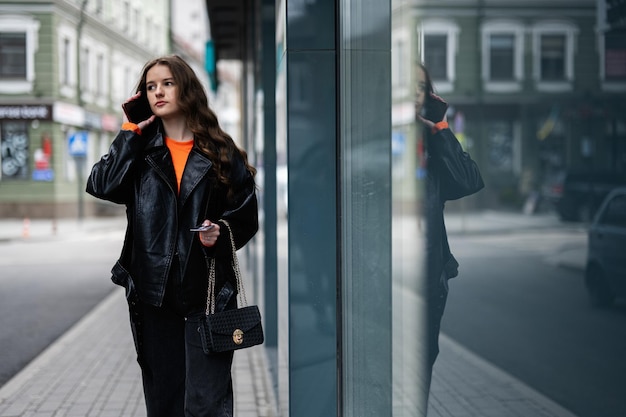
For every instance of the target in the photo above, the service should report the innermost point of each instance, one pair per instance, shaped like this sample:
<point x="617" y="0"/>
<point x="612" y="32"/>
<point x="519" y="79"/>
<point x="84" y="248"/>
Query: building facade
<point x="65" y="68"/>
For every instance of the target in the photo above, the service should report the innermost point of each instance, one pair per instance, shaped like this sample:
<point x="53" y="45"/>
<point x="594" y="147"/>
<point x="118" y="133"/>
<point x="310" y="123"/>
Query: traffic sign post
<point x="77" y="145"/>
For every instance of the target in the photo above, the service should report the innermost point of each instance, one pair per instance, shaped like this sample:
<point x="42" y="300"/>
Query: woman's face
<point x="162" y="92"/>
<point x="420" y="94"/>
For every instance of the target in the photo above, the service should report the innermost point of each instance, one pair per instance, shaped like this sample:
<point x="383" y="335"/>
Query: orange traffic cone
<point x="26" y="228"/>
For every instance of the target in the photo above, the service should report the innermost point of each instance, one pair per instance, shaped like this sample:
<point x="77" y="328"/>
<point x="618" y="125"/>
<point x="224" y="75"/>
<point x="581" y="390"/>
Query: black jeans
<point x="179" y="379"/>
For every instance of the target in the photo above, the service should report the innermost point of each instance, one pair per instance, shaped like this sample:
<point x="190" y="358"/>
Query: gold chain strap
<point x="210" y="302"/>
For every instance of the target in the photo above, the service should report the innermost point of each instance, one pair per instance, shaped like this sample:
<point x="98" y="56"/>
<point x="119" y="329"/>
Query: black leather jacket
<point x="139" y="173"/>
<point x="452" y="174"/>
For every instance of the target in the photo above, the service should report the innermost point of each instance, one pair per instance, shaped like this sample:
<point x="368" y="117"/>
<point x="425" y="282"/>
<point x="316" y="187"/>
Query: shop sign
<point x="43" y="175"/>
<point x="68" y="114"/>
<point x="26" y="112"/>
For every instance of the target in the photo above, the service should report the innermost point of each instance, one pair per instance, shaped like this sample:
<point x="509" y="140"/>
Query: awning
<point x="227" y="22"/>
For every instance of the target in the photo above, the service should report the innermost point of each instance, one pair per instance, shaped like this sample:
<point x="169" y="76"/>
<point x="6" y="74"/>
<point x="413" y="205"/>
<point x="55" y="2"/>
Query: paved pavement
<point x="91" y="370"/>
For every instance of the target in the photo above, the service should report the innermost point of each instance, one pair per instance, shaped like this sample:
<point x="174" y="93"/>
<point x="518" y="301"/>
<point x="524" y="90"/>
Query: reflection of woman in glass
<point x="174" y="168"/>
<point x="450" y="175"/>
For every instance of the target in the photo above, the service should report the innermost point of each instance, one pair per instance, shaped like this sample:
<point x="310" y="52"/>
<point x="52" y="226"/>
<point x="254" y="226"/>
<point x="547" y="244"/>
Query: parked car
<point x="583" y="192"/>
<point x="605" y="273"/>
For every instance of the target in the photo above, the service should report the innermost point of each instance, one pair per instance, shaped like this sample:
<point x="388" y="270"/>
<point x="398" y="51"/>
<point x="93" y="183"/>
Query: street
<point x="513" y="307"/>
<point x="46" y="286"/>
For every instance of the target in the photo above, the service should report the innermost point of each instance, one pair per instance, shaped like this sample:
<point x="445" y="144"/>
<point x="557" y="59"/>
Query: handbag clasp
<point x="238" y="336"/>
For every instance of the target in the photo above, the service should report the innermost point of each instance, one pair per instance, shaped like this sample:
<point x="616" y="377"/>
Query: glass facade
<point x="344" y="231"/>
<point x="349" y="336"/>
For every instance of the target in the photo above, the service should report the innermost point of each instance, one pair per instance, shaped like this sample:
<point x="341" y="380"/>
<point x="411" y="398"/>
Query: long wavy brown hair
<point x="201" y="120"/>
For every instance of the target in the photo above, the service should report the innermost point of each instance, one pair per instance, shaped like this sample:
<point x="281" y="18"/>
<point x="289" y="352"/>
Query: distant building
<point x="535" y="87"/>
<point x="190" y="33"/>
<point x="65" y="68"/>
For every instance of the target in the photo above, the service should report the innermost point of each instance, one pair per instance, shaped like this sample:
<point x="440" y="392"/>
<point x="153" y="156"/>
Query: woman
<point x="174" y="171"/>
<point x="450" y="175"/>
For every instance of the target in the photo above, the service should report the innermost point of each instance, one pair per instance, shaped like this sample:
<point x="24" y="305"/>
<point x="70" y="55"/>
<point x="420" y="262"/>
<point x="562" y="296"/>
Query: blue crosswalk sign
<point x="78" y="143"/>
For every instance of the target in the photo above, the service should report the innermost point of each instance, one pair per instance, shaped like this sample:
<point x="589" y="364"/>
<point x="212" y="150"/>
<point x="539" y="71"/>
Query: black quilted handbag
<point x="230" y="329"/>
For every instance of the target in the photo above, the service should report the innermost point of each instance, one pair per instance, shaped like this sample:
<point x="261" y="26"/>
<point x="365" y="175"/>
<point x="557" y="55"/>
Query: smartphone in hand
<point x="137" y="110"/>
<point x="435" y="109"/>
<point x="201" y="228"/>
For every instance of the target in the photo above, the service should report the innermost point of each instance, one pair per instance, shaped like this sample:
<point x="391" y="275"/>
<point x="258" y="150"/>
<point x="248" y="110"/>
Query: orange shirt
<point x="180" y="152"/>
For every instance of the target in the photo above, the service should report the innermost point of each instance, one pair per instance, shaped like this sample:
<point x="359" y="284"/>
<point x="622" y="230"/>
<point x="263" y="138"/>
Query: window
<point x="553" y="56"/>
<point x="502" y="59"/>
<point x="85" y="69"/>
<point x="438" y="44"/>
<point x="100" y="75"/>
<point x="120" y="87"/>
<point x="99" y="4"/>
<point x="93" y="72"/>
<point x="67" y="60"/>
<point x="145" y="32"/>
<point x="13" y="55"/>
<point x="615" y="57"/>
<point x="64" y="62"/>
<point x="134" y="28"/>
<point x="435" y="56"/>
<point x="502" y="56"/>
<point x="18" y="44"/>
<point x="125" y="16"/>
<point x="612" y="19"/>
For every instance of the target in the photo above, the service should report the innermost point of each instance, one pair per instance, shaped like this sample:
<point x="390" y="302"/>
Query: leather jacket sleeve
<point x="110" y="178"/>
<point x="241" y="211"/>
<point x="458" y="173"/>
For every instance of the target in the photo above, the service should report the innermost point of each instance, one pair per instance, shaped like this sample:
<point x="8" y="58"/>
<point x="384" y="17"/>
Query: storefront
<point x="44" y="157"/>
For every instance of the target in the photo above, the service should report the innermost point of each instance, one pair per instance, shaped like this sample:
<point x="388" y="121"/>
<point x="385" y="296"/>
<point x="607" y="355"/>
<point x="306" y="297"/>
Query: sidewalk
<point x="91" y="370"/>
<point x="47" y="229"/>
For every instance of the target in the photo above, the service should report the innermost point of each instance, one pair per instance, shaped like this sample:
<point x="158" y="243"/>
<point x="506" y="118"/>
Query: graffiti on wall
<point x="14" y="150"/>
<point x="500" y="147"/>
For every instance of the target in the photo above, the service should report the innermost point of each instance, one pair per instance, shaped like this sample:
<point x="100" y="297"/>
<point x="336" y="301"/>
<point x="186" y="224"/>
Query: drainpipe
<point x="79" y="33"/>
<point x="80" y="160"/>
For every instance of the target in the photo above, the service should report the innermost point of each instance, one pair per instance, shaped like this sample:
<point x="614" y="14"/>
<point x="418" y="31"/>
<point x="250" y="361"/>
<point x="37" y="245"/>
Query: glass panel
<point x="364" y="167"/>
<point x="307" y="105"/>
<point x="522" y="242"/>
<point x="410" y="373"/>
<point x="312" y="233"/>
<point x="282" y="239"/>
